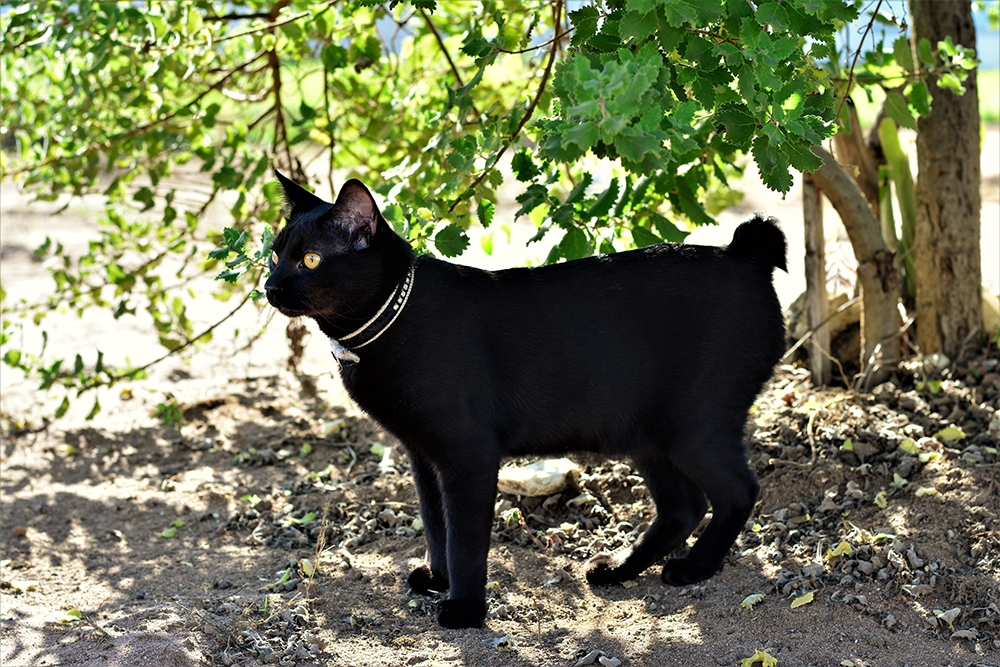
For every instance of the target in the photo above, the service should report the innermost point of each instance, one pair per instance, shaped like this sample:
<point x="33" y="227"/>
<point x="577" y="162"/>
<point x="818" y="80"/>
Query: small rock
<point x="866" y="567"/>
<point x="949" y="616"/>
<point x="542" y="478"/>
<point x="590" y="658"/>
<point x="609" y="662"/>
<point x="938" y="362"/>
<point x="814" y="570"/>
<point x="828" y="505"/>
<point x="222" y="584"/>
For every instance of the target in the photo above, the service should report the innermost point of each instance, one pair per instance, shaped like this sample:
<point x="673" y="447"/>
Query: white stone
<point x="542" y="478"/>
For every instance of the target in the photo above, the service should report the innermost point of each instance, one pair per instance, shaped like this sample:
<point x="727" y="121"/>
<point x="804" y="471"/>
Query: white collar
<point x="343" y="347"/>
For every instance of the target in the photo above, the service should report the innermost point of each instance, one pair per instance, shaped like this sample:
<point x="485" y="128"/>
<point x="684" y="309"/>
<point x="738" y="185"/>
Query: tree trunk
<point x="947" y="253"/>
<point x="876" y="270"/>
<point x="852" y="151"/>
<point x="816" y="300"/>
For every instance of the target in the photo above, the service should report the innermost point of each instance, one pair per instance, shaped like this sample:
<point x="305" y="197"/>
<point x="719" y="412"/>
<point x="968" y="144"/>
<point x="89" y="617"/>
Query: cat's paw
<point x="457" y="614"/>
<point x="681" y="572"/>
<point x="422" y="581"/>
<point x="603" y="570"/>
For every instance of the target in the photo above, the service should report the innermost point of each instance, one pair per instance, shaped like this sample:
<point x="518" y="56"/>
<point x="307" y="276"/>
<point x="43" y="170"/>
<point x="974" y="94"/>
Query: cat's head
<point x="328" y="259"/>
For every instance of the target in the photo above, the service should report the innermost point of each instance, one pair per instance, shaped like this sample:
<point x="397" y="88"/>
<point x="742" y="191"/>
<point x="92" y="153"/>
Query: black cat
<point x="654" y="354"/>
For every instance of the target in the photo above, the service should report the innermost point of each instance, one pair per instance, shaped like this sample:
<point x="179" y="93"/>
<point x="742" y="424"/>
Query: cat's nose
<point x="271" y="285"/>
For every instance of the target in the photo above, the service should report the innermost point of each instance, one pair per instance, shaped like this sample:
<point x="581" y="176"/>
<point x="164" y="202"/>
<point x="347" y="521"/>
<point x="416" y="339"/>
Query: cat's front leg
<point x="425" y="579"/>
<point x="469" y="495"/>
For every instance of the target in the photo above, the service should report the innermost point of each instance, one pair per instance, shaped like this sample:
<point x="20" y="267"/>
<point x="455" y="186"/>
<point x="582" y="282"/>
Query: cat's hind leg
<point x="680" y="506"/>
<point x="425" y="579"/>
<point x="732" y="489"/>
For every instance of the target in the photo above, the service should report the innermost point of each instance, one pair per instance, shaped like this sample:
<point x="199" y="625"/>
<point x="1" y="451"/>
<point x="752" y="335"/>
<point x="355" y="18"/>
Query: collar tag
<point x="342" y="354"/>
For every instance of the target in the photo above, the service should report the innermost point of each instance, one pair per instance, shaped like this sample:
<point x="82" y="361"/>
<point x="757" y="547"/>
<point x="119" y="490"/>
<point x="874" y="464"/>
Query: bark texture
<point x="816" y="300"/>
<point x="947" y="234"/>
<point x="877" y="272"/>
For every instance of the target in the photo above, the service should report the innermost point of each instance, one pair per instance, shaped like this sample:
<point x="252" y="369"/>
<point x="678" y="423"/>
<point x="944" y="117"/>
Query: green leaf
<point x="801" y="157"/>
<point x="334" y="57"/>
<point x="477" y="47"/>
<point x="772" y="14"/>
<point x="898" y="109"/>
<point x="63" y="407"/>
<point x="643" y="237"/>
<point x="451" y="241"/>
<point x="584" y="22"/>
<point x="949" y="81"/>
<point x="145" y="197"/>
<point x="950" y="434"/>
<point x="667" y="230"/>
<point x="679" y="12"/>
<point x="94" y="410"/>
<point x="524" y="167"/>
<point x="739" y="123"/>
<point x="774" y="166"/>
<point x="641" y="6"/>
<point x="306" y="111"/>
<point x="903" y="53"/>
<point x="693" y="209"/>
<point x="925" y="52"/>
<point x="638" y="26"/>
<point x="575" y="244"/>
<point x="604" y="201"/>
<point x="667" y="36"/>
<point x="577" y="192"/>
<point x="919" y="98"/>
<point x="485" y="211"/>
<point x="233" y="238"/>
<point x="584" y="135"/>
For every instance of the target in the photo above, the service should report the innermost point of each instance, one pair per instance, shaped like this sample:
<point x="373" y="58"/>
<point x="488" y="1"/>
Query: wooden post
<point x="817" y="303"/>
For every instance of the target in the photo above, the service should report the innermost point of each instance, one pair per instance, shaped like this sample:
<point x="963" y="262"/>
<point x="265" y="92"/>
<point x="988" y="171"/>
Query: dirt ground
<point x="274" y="524"/>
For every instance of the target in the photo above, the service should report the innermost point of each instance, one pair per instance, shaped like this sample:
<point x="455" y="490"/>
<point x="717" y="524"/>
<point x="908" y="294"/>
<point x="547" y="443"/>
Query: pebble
<point x="590" y="658"/>
<point x="542" y="478"/>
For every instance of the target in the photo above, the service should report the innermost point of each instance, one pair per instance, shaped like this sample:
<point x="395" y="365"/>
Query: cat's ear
<point x="360" y="213"/>
<point x="299" y="199"/>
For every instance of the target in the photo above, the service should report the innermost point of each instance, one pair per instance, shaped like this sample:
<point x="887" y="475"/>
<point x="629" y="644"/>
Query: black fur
<point x="654" y="354"/>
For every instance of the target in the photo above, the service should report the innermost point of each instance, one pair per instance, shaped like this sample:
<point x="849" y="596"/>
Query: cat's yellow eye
<point x="311" y="260"/>
<point x="274" y="257"/>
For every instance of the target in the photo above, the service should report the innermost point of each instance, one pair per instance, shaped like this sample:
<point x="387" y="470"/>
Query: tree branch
<point x="107" y="144"/>
<point x="266" y="27"/>
<point x="557" y="38"/>
<point x="880" y="281"/>
<point x="850" y="76"/>
<point x="527" y="116"/>
<point x="184" y="346"/>
<point x="444" y="49"/>
<point x="237" y="17"/>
